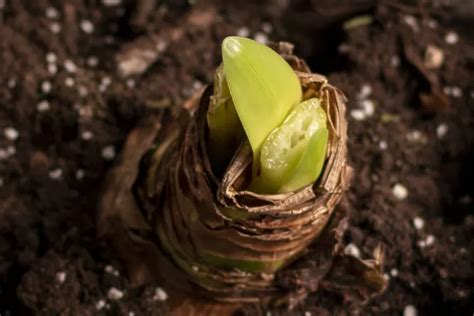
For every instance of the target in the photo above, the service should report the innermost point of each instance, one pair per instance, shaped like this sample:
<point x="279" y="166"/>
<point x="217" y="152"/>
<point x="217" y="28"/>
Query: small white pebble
<point x="131" y="314"/>
<point x="195" y="268"/>
<point x="451" y="38"/>
<point x="243" y="32"/>
<point x="383" y="145"/>
<point x="87" y="26"/>
<point x="92" y="61"/>
<point x="70" y="66"/>
<point x="410" y="310"/>
<point x="260" y="37"/>
<point x="109" y="269"/>
<point x="394" y="272"/>
<point x="106" y="81"/>
<point x="419" y="223"/>
<point x="61" y="277"/>
<point x="441" y="130"/>
<point x="411" y="21"/>
<point x="46" y="87"/>
<point x="108" y="152"/>
<point x="353" y="250"/>
<point x="130" y="83"/>
<point x="3" y="154"/>
<point x="114" y="294"/>
<point x="432" y="24"/>
<point x="52" y="69"/>
<point x="51" y="13"/>
<point x="79" y="174"/>
<point x="51" y="58"/>
<point x="395" y="61"/>
<point x="85" y="111"/>
<point x="365" y="91"/>
<point x="267" y="27"/>
<point x="69" y="82"/>
<point x="161" y="46"/>
<point x="421" y="243"/>
<point x="43" y="106"/>
<point x="358" y="114"/>
<point x="434" y="57"/>
<point x="160" y="295"/>
<point x="307" y="313"/>
<point x="343" y="48"/>
<point x="430" y="239"/>
<point x="82" y="91"/>
<point x="400" y="191"/>
<point x="110" y="3"/>
<point x="55" y="27"/>
<point x="11" y="83"/>
<point x="11" y="150"/>
<point x="87" y="135"/>
<point x="368" y="106"/>
<point x="11" y="133"/>
<point x="56" y="174"/>
<point x="100" y="304"/>
<point x="456" y="92"/>
<point x="416" y="136"/>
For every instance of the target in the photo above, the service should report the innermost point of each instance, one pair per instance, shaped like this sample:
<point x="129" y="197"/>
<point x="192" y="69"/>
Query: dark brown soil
<point x="51" y="262"/>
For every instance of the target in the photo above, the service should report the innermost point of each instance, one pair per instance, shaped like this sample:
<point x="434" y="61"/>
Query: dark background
<point x="63" y="119"/>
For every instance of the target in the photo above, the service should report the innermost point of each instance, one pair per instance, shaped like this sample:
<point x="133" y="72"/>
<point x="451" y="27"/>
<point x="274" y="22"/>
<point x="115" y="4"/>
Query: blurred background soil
<point x="77" y="75"/>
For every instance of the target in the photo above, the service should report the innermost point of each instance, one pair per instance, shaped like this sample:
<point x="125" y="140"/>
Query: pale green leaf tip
<point x="231" y="46"/>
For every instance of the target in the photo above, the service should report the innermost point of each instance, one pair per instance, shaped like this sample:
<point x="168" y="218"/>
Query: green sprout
<point x="259" y="91"/>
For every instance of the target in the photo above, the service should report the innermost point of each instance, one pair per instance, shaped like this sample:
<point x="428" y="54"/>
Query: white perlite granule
<point x="114" y="294"/>
<point x="160" y="295"/>
<point x="56" y="174"/>
<point x="451" y="38"/>
<point x="243" y="31"/>
<point x="108" y="152"/>
<point x="410" y="310"/>
<point x="352" y="250"/>
<point x="441" y="130"/>
<point x="87" y="26"/>
<point x="418" y="222"/>
<point x="400" y="191"/>
<point x="51" y="58"/>
<point x="100" y="304"/>
<point x="79" y="174"/>
<point x="358" y="114"/>
<point x="61" y="277"/>
<point x="70" y="66"/>
<point x="260" y="37"/>
<point x="365" y="91"/>
<point x="11" y="133"/>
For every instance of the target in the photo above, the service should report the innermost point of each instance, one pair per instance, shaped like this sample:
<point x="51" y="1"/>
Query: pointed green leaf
<point x="311" y="163"/>
<point x="282" y="150"/>
<point x="262" y="84"/>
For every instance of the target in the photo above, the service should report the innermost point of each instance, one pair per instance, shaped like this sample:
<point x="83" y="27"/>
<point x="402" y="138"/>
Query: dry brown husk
<point x="164" y="208"/>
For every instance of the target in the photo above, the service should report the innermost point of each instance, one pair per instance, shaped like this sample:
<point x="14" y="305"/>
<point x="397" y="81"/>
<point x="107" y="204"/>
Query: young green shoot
<point x="259" y="93"/>
<point x="293" y="154"/>
<point x="263" y="86"/>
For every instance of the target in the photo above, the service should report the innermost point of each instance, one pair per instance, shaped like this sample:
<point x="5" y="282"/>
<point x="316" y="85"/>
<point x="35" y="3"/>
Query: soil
<point x="64" y="118"/>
